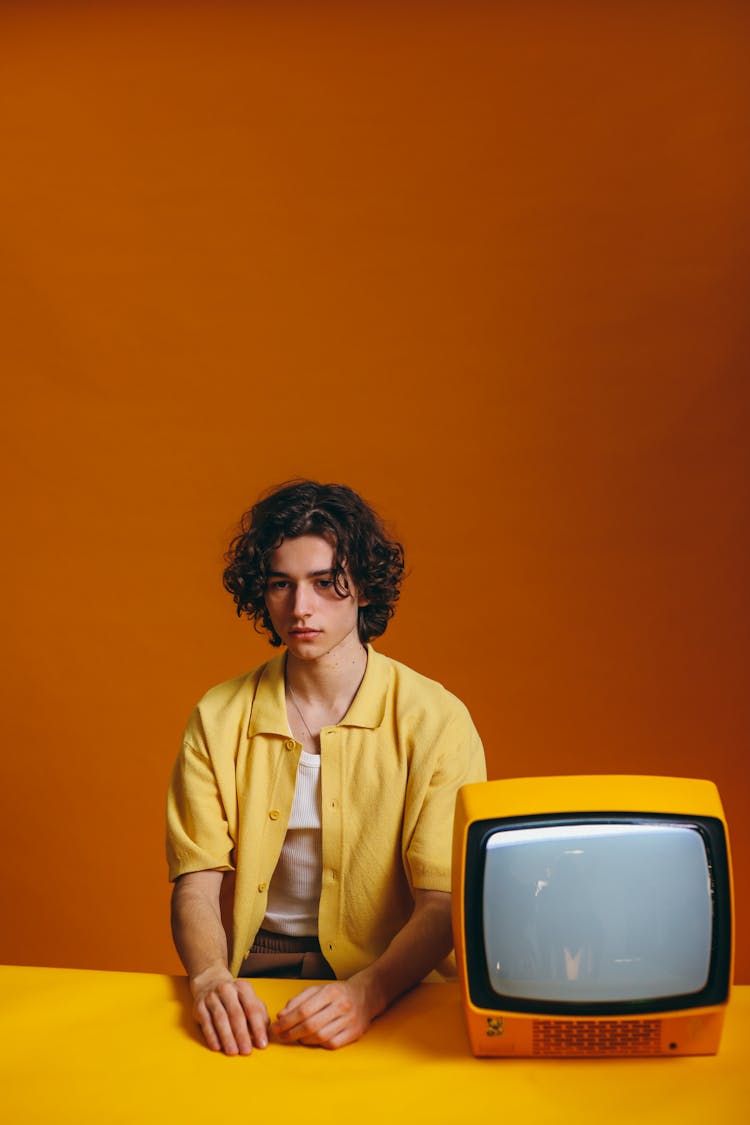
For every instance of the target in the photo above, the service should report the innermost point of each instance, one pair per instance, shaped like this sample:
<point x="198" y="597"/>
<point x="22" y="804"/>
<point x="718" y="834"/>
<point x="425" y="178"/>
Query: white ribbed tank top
<point x="294" y="891"/>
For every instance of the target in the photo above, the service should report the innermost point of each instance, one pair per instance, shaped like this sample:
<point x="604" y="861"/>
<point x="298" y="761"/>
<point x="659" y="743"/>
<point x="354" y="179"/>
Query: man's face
<point x="311" y="618"/>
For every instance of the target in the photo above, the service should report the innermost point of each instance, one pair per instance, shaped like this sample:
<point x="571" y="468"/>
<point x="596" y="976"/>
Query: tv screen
<point x="597" y="912"/>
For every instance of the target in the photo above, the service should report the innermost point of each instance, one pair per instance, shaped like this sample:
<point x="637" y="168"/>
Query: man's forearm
<point x="230" y="1015"/>
<point x="415" y="950"/>
<point x="197" y="928"/>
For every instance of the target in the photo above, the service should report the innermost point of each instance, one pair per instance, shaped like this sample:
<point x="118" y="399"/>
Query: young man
<point x="310" y="810"/>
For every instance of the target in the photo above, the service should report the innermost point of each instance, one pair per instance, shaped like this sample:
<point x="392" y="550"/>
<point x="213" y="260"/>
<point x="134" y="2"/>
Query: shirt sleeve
<point x="198" y="837"/>
<point x="456" y="758"/>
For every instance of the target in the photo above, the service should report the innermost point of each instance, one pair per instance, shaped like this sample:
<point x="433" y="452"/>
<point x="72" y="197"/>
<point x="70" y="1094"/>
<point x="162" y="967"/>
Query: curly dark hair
<point x="361" y="546"/>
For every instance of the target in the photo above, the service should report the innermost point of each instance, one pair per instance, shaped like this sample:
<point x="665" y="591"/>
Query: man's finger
<point x="205" y="1023"/>
<point x="256" y="1015"/>
<point x="311" y="1022"/>
<point x="237" y="1019"/>
<point x="306" y="1004"/>
<point x="325" y="1035"/>
<point x="343" y="1037"/>
<point x="223" y="1026"/>
<point x="300" y="998"/>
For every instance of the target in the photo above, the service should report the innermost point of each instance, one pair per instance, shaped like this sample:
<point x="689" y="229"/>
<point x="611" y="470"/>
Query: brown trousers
<point x="286" y="957"/>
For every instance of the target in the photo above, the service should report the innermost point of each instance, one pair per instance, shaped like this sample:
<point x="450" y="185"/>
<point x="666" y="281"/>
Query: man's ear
<point x="361" y="600"/>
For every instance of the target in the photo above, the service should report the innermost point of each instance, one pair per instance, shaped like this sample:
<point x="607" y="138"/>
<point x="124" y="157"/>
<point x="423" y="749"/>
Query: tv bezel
<point x="481" y="992"/>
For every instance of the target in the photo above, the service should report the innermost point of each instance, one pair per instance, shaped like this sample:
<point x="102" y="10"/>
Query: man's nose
<point x="302" y="601"/>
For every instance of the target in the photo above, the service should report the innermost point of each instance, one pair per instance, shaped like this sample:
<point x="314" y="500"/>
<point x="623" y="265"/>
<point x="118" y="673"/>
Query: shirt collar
<point x="368" y="706"/>
<point x="269" y="715"/>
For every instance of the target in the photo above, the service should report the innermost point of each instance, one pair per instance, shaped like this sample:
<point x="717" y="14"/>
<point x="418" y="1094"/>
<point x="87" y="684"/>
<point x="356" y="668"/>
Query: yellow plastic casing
<point x="494" y="1032"/>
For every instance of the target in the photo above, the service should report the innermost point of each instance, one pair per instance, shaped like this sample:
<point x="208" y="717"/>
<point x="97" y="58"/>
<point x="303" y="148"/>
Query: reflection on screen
<point x="597" y="912"/>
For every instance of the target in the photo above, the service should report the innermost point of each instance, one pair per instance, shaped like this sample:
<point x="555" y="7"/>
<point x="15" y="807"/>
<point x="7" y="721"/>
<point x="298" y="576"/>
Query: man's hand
<point x="228" y="1012"/>
<point x="332" y="1015"/>
<point x="326" y="1015"/>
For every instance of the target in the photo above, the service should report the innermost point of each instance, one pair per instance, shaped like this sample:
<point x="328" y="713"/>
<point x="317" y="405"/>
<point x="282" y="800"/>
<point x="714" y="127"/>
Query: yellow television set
<point x="592" y="916"/>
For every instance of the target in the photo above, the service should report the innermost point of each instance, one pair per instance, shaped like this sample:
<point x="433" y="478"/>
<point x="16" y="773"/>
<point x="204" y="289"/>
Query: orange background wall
<point x="487" y="263"/>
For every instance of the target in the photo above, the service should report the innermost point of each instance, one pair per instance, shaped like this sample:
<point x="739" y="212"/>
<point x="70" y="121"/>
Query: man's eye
<point x="278" y="584"/>
<point x="325" y="583"/>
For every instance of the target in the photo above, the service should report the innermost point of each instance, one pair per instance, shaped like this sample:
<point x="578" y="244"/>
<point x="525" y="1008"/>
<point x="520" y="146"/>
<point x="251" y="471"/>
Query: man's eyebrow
<point x="310" y="573"/>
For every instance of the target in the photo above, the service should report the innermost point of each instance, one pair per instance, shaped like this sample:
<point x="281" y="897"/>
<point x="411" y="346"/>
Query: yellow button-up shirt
<point x="390" y="771"/>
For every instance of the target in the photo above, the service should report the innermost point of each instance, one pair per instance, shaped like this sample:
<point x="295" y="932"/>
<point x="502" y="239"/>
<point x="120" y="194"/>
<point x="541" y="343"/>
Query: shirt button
<point x="274" y="814"/>
<point x="262" y="886"/>
<point x="290" y="743"/>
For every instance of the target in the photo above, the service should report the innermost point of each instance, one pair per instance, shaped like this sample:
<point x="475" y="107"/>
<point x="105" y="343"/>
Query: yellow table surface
<point x="80" y="1046"/>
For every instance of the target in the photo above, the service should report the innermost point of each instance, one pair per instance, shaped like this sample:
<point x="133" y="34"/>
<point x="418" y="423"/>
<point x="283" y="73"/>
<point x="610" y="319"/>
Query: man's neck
<point x="332" y="681"/>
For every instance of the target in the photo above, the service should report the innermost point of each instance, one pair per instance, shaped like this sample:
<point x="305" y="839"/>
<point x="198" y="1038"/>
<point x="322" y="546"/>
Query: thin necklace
<point x="299" y="711"/>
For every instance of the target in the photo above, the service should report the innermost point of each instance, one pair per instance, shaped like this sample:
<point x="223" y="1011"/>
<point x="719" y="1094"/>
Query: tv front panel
<point x="592" y="915"/>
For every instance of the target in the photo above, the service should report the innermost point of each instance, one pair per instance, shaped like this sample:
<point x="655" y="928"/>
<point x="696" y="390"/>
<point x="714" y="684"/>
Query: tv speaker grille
<point x="596" y="1037"/>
